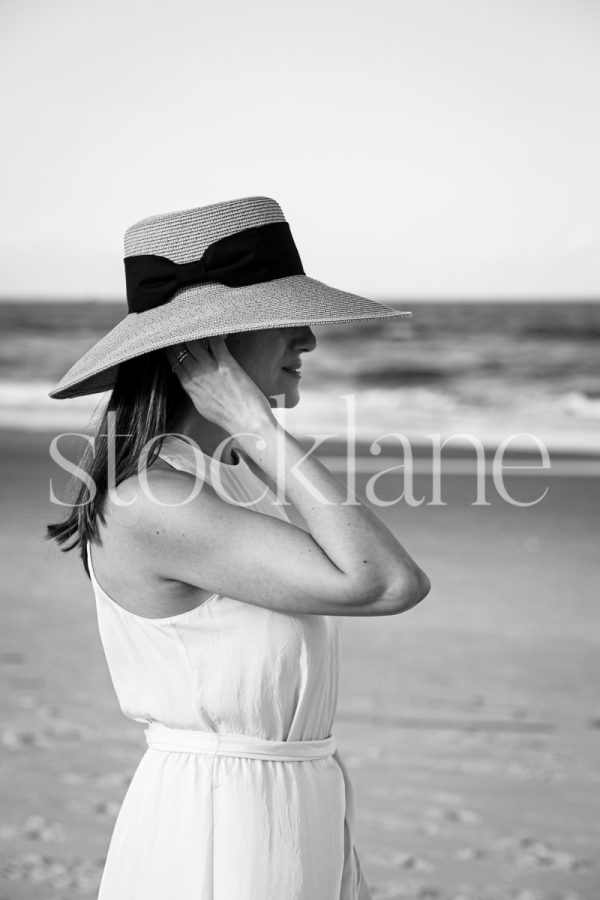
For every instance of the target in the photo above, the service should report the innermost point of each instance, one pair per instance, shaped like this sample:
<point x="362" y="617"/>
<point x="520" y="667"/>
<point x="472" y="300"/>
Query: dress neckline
<point x="187" y="456"/>
<point x="179" y="451"/>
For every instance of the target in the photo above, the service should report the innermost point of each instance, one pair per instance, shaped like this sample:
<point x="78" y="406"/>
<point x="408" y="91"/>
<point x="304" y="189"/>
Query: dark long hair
<point x="145" y="403"/>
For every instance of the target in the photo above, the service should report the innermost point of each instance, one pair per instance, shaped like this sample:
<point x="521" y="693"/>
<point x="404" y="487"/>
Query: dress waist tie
<point x="182" y="740"/>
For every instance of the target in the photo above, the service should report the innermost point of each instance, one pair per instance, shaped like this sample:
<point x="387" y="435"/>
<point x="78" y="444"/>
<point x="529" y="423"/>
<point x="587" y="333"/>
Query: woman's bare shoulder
<point x="140" y="496"/>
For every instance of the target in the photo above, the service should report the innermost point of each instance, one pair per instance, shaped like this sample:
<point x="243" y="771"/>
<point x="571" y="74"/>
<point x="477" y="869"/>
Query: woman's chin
<point x="285" y="400"/>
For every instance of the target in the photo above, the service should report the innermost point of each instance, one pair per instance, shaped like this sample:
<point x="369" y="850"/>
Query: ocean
<point x="489" y="369"/>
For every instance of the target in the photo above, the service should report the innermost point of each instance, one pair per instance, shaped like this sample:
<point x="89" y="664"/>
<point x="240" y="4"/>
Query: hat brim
<point x="210" y="309"/>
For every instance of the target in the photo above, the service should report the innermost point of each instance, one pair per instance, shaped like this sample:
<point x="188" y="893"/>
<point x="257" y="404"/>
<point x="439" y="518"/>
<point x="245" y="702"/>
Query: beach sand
<point x="470" y="725"/>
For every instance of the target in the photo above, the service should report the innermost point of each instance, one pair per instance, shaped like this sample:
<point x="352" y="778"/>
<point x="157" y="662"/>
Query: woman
<point x="221" y="560"/>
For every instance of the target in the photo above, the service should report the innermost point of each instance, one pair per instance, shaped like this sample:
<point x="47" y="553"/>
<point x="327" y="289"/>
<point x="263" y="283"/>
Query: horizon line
<point x="389" y="299"/>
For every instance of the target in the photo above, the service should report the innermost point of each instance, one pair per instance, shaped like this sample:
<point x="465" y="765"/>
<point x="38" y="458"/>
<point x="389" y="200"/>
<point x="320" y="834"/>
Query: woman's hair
<point x="145" y="403"/>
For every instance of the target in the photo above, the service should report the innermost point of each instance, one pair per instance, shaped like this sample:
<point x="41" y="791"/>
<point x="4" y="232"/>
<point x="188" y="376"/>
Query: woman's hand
<point x="219" y="388"/>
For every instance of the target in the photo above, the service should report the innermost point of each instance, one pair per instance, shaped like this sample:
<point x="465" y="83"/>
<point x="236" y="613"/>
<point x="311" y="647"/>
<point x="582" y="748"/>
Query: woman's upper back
<point x="172" y="538"/>
<point x="129" y="568"/>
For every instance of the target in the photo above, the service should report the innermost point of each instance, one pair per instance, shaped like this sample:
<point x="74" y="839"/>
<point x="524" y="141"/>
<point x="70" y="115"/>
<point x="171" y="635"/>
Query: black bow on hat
<point x="257" y="254"/>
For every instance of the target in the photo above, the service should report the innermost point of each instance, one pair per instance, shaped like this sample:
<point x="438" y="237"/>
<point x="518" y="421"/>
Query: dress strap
<point x="184" y="454"/>
<point x="161" y="737"/>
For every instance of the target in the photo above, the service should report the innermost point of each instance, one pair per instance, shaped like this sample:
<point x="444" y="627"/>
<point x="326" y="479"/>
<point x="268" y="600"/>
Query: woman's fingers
<point x="198" y="351"/>
<point x="171" y="354"/>
<point x="180" y="358"/>
<point x="219" y="348"/>
<point x="190" y="360"/>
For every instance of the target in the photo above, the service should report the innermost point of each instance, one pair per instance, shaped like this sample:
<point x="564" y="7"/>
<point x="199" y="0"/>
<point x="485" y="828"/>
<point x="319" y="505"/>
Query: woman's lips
<point x="295" y="373"/>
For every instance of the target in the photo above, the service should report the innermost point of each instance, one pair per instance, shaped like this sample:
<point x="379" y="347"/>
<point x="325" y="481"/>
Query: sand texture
<point x="470" y="725"/>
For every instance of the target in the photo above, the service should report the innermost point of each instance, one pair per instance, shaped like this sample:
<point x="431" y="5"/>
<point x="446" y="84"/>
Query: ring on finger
<point x="182" y="355"/>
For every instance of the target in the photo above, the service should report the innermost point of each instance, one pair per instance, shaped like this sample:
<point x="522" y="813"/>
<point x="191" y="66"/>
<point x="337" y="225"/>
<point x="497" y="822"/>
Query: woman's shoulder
<point x="142" y="495"/>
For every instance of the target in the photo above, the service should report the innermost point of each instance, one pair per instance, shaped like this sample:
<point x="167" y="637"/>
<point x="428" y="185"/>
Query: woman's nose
<point x="304" y="340"/>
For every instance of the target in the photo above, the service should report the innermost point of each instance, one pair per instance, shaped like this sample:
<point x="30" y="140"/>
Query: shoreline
<point x="559" y="444"/>
<point x="390" y="451"/>
<point x="565" y="422"/>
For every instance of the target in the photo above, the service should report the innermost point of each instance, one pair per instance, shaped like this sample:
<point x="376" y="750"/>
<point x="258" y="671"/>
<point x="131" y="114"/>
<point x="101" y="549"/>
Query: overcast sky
<point x="417" y="147"/>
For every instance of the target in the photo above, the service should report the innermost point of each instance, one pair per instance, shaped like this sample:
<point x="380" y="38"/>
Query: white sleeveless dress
<point x="241" y="794"/>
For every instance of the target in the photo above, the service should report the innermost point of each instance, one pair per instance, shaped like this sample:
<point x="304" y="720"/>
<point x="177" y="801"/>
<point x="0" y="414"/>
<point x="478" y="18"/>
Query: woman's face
<point x="271" y="357"/>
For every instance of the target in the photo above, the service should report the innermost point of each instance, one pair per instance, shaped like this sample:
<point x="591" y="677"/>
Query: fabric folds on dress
<point x="199" y="824"/>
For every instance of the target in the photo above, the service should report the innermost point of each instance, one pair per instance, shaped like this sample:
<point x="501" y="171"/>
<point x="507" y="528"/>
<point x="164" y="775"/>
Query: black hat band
<point x="257" y="254"/>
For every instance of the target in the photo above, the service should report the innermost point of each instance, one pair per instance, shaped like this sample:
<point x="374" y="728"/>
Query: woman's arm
<point x="348" y="563"/>
<point x="376" y="568"/>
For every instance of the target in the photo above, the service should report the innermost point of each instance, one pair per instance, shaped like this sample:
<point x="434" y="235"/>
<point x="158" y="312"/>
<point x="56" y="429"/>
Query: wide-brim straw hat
<point x="217" y="269"/>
